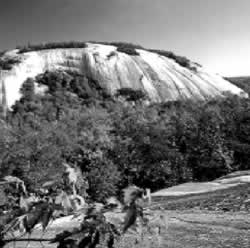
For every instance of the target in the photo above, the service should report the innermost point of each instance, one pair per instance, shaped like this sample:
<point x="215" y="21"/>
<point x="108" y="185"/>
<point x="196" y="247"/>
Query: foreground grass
<point x="219" y="219"/>
<point x="201" y="229"/>
<point x="189" y="229"/>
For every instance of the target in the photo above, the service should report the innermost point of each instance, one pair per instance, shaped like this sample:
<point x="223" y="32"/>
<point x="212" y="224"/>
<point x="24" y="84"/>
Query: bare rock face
<point x="161" y="78"/>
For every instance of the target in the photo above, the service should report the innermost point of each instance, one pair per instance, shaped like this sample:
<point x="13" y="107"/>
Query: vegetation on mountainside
<point x="127" y="48"/>
<point x="131" y="94"/>
<point x="128" y="51"/>
<point x="115" y="144"/>
<point x="2" y="52"/>
<point x="8" y="62"/>
<point x="124" y="47"/>
<point x="52" y="45"/>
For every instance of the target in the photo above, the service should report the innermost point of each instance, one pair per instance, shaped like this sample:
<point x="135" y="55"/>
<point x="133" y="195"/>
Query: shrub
<point x="131" y="94"/>
<point x="7" y="63"/>
<point x="2" y="53"/>
<point x="103" y="178"/>
<point x="128" y="51"/>
<point x="113" y="53"/>
<point x="127" y="48"/>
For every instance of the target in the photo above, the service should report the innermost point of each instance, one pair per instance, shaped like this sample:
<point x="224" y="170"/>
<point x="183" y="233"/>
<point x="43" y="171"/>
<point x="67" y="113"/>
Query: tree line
<point x="118" y="140"/>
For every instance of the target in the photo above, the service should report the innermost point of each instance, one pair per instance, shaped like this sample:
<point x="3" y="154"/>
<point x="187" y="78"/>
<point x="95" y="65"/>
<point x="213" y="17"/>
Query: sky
<point x="214" y="33"/>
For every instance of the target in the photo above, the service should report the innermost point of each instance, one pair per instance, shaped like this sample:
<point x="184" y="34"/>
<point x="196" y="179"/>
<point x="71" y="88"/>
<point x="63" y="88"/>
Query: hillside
<point x="161" y="75"/>
<point x="228" y="193"/>
<point x="241" y="82"/>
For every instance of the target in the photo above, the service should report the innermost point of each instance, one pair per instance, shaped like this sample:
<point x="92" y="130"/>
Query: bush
<point x="83" y="87"/>
<point x="127" y="48"/>
<point x="103" y="178"/>
<point x="7" y="63"/>
<point x="131" y="94"/>
<point x="128" y="51"/>
<point x="2" y="53"/>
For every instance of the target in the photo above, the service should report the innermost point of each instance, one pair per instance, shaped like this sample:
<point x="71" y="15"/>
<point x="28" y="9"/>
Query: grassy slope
<point x="231" y="199"/>
<point x="189" y="229"/>
<point x="182" y="231"/>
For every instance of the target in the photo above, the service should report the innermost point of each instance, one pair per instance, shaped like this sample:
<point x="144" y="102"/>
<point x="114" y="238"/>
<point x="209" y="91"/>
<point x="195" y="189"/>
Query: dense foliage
<point x="131" y="94"/>
<point x="116" y="143"/>
<point x="2" y="52"/>
<point x="7" y="63"/>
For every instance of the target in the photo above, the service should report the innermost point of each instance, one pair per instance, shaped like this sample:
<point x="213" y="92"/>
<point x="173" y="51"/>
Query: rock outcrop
<point x="160" y="77"/>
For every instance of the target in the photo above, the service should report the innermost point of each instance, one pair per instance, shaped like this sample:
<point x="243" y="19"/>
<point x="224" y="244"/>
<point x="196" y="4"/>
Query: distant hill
<point x="241" y="82"/>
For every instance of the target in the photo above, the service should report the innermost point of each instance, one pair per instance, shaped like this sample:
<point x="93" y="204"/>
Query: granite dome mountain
<point x="161" y="75"/>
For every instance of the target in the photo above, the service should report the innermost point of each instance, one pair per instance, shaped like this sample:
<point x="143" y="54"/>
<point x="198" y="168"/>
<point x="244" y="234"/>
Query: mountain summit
<point x="161" y="75"/>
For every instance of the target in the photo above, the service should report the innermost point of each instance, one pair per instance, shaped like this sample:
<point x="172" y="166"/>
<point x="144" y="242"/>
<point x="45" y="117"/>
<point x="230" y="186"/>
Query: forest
<point x="120" y="140"/>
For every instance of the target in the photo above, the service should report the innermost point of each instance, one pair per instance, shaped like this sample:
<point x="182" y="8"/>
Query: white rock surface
<point x="205" y="187"/>
<point x="160" y="77"/>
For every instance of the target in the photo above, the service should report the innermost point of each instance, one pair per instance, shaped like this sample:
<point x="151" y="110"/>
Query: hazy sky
<point x="215" y="33"/>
